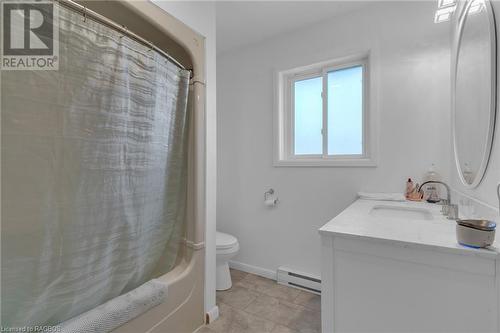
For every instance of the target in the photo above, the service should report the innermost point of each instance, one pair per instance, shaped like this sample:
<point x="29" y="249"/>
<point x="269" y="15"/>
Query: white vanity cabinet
<point x="383" y="274"/>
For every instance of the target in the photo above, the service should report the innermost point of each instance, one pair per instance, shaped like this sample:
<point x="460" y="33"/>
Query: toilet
<point x="227" y="248"/>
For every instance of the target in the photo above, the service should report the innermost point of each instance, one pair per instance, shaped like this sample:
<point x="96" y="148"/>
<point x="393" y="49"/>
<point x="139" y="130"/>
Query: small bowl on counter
<point x="475" y="233"/>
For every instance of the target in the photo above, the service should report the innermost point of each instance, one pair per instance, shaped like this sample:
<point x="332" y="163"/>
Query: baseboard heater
<point x="300" y="280"/>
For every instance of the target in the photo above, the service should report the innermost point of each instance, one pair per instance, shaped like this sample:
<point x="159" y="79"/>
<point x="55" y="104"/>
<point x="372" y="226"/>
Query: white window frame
<point x="284" y="115"/>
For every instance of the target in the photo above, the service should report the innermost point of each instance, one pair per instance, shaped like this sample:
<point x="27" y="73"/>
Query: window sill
<point x="334" y="163"/>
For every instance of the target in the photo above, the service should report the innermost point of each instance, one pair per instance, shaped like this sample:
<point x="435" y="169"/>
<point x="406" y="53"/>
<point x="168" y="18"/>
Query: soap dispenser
<point x="431" y="192"/>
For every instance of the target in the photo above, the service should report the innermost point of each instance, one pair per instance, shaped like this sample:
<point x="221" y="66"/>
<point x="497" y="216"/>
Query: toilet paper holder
<point x="268" y="198"/>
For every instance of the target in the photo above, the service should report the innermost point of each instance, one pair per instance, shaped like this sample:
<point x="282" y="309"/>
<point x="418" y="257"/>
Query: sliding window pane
<point x="308" y="117"/>
<point x="345" y="111"/>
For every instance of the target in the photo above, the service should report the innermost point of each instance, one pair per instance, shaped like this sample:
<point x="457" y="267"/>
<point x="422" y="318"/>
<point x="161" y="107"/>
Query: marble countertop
<point x="437" y="233"/>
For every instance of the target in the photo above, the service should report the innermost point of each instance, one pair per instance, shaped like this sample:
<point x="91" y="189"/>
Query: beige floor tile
<point x="205" y="329"/>
<point x="274" y="309"/>
<point x="268" y="287"/>
<point x="237" y="297"/>
<point x="283" y="292"/>
<point x="306" y="330"/>
<point x="237" y="275"/>
<point x="254" y="282"/>
<point x="232" y="320"/>
<point x="247" y="323"/>
<point x="309" y="300"/>
<point x="306" y="321"/>
<point x="223" y="323"/>
<point x="283" y="329"/>
<point x="258" y="305"/>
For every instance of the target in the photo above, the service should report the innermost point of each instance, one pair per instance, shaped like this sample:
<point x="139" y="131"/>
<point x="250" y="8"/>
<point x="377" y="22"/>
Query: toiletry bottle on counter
<point x="431" y="191"/>
<point x="409" y="188"/>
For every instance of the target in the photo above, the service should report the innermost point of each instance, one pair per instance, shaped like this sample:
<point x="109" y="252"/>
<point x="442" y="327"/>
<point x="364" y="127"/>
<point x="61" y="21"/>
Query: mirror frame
<point x="459" y="21"/>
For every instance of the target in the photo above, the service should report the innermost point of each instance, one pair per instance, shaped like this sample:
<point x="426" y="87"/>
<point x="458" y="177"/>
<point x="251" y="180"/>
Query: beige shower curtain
<point x="93" y="174"/>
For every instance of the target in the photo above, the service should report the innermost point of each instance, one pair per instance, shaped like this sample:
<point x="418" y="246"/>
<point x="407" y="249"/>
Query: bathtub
<point x="183" y="311"/>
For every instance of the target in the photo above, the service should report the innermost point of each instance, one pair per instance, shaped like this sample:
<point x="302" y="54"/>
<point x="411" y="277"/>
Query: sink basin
<point x="398" y="212"/>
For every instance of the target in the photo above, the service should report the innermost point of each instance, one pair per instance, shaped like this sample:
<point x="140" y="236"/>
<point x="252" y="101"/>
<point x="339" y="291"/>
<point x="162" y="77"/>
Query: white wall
<point x="411" y="71"/>
<point x="485" y="193"/>
<point x="200" y="16"/>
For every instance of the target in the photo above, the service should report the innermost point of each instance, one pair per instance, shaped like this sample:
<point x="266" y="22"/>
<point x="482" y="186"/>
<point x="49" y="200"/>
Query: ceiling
<point x="241" y="23"/>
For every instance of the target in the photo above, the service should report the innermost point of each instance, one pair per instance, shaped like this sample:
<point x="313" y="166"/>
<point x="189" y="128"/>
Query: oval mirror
<point x="473" y="88"/>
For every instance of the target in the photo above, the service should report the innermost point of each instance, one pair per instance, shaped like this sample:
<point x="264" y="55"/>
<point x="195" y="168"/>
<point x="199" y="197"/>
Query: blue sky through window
<point x="308" y="116"/>
<point x="345" y="111"/>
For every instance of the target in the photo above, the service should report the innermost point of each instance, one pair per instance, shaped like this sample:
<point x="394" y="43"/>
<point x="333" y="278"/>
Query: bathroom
<point x="219" y="211"/>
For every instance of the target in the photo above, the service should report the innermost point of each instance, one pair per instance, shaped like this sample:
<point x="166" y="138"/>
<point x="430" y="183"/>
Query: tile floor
<point x="258" y="305"/>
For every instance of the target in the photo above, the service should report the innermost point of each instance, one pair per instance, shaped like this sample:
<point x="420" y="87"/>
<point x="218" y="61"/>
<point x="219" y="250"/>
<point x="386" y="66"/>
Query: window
<point x="322" y="115"/>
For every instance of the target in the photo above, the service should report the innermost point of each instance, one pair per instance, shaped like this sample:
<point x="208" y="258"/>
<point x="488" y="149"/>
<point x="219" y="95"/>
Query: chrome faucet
<point x="448" y="209"/>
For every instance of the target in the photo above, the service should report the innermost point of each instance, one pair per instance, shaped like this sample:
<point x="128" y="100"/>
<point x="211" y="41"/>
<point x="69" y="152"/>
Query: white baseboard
<point x="267" y="273"/>
<point x="212" y="315"/>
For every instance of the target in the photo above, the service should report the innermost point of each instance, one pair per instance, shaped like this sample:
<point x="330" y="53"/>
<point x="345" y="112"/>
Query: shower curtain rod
<point x="104" y="20"/>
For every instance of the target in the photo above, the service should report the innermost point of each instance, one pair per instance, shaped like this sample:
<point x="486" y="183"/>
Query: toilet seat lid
<point x="224" y="241"/>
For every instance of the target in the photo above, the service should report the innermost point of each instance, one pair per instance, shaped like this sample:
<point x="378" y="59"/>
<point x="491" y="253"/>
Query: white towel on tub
<point x="116" y="312"/>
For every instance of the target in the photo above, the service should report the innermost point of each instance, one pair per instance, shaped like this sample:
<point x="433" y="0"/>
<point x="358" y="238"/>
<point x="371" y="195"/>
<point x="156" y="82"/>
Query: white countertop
<point x="437" y="233"/>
